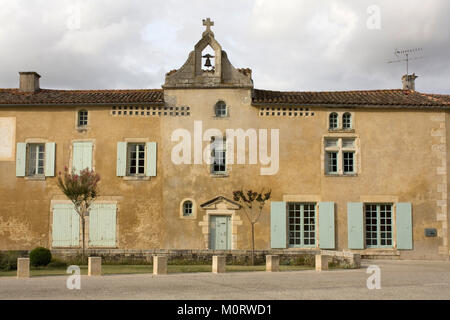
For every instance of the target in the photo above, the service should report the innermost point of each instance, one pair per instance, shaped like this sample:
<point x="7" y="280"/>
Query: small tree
<point x="253" y="204"/>
<point x="82" y="190"/>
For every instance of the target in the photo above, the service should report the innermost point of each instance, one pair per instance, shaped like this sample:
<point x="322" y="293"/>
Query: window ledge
<point x="137" y="178"/>
<point x="35" y="178"/>
<point x="341" y="130"/>
<point x="188" y="218"/>
<point x="330" y="175"/>
<point x="219" y="175"/>
<point x="82" y="128"/>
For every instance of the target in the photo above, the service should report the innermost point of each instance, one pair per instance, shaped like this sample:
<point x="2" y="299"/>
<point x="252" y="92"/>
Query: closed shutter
<point x="50" y="159"/>
<point x="326" y="225"/>
<point x="404" y="226"/>
<point x="151" y="159"/>
<point x="102" y="225"/>
<point x="82" y="156"/>
<point x="355" y="221"/>
<point x="121" y="159"/>
<point x="278" y="234"/>
<point x="66" y="226"/>
<point x="21" y="159"/>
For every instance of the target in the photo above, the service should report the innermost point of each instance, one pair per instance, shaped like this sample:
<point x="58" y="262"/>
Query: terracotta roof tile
<point x="51" y="97"/>
<point x="352" y="98"/>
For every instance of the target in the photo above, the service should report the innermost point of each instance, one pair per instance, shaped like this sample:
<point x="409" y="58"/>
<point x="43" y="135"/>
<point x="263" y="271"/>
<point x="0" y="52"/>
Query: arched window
<point x="188" y="210"/>
<point x="82" y="118"/>
<point x="347" y="121"/>
<point x="333" y="121"/>
<point x="221" y="109"/>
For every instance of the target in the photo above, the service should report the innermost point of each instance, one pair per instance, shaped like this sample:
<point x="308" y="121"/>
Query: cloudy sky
<point x="299" y="45"/>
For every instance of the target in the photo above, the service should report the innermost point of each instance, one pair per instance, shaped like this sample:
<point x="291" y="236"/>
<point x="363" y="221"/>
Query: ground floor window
<point x="378" y="225"/>
<point x="302" y="224"/>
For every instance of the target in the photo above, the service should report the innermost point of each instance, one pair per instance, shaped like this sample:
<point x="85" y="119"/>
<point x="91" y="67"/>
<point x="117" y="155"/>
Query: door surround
<point x="220" y="206"/>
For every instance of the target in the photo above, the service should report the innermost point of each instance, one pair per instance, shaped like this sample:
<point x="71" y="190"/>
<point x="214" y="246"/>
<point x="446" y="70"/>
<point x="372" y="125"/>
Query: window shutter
<point x="82" y="156"/>
<point x="66" y="226"/>
<point x="21" y="159"/>
<point x="326" y="225"/>
<point x="151" y="159"/>
<point x="278" y="225"/>
<point x="50" y="159"/>
<point x="121" y="159"/>
<point x="102" y="225"/>
<point x="404" y="226"/>
<point x="355" y="221"/>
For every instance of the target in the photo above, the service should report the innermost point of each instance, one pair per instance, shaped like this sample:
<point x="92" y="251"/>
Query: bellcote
<point x="208" y="67"/>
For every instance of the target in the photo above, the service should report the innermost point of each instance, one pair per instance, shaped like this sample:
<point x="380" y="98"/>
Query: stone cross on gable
<point x="208" y="23"/>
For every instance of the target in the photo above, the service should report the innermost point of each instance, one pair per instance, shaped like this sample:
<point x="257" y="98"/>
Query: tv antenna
<point x="405" y="55"/>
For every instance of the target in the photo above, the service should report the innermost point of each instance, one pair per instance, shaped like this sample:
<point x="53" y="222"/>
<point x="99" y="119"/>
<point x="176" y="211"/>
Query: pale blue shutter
<point x="102" y="225"/>
<point x="326" y="225"/>
<point x="151" y="159"/>
<point x="21" y="159"/>
<point x="355" y="221"/>
<point x="121" y="159"/>
<point x="278" y="225"/>
<point x="404" y="226"/>
<point x="82" y="156"/>
<point x="50" y="159"/>
<point x="66" y="226"/>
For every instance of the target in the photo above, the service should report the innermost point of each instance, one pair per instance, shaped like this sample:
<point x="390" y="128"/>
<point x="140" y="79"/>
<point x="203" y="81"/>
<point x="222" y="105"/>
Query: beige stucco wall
<point x="398" y="164"/>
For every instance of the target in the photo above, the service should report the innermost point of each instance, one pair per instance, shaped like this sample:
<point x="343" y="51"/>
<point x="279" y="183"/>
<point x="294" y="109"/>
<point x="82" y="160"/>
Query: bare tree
<point x="253" y="204"/>
<point x="82" y="190"/>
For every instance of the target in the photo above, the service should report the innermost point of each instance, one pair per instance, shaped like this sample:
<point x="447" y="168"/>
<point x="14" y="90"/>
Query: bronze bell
<point x="208" y="60"/>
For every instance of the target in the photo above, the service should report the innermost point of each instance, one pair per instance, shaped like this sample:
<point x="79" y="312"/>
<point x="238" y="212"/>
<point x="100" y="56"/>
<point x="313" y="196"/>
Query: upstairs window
<point x="347" y="121"/>
<point x="340" y="156"/>
<point x="136" y="159"/>
<point x="36" y="156"/>
<point x="82" y="118"/>
<point x="221" y="109"/>
<point x="218" y="156"/>
<point x="333" y="121"/>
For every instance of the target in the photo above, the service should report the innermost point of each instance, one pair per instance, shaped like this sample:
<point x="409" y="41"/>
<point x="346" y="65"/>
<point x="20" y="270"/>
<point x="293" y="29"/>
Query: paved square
<point x="399" y="280"/>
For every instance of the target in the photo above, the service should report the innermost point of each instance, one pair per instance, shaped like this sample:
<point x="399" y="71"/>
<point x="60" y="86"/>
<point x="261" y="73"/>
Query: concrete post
<point x="321" y="262"/>
<point x="95" y="266"/>
<point x="272" y="263"/>
<point x="159" y="265"/>
<point x="218" y="265"/>
<point x="23" y="268"/>
<point x="357" y="260"/>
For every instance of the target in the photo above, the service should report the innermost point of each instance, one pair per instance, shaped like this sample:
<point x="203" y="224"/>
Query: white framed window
<point x="36" y="159"/>
<point x="136" y="159"/>
<point x="221" y="109"/>
<point x="378" y="225"/>
<point x="302" y="224"/>
<point x="347" y="121"/>
<point x="82" y="118"/>
<point x="333" y="121"/>
<point x="187" y="208"/>
<point x="219" y="154"/>
<point x="340" y="156"/>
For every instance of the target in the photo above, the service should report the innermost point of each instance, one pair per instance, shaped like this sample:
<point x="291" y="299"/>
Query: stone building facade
<point x="359" y="171"/>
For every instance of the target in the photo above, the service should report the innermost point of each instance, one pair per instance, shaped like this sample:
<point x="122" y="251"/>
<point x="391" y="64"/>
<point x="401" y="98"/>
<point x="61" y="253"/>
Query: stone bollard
<point x="95" y="266"/>
<point x="356" y="260"/>
<point x="23" y="268"/>
<point x="272" y="263"/>
<point x="321" y="262"/>
<point x="159" y="265"/>
<point x="218" y="265"/>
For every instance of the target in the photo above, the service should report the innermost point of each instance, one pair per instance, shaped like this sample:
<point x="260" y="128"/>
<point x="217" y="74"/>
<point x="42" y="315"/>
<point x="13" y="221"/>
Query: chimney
<point x="409" y="81"/>
<point x="29" y="82"/>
